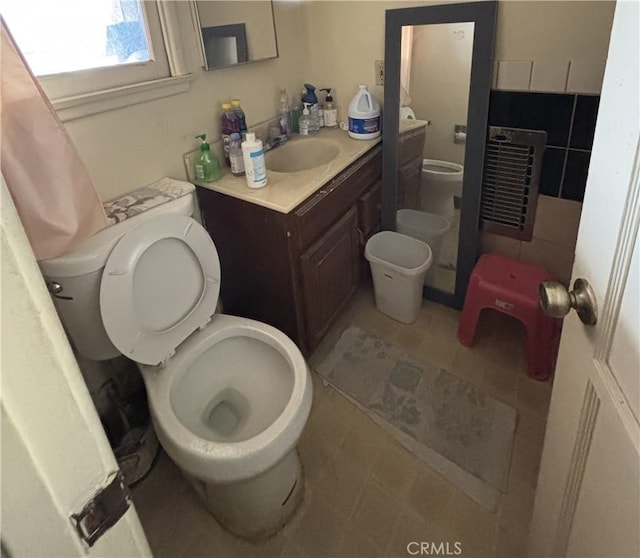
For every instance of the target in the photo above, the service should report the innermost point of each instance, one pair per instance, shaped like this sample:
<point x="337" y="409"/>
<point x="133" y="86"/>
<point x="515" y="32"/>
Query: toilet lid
<point x="161" y="282"/>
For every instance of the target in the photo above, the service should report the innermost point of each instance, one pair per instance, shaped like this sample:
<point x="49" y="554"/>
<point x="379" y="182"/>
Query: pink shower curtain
<point x="53" y="192"/>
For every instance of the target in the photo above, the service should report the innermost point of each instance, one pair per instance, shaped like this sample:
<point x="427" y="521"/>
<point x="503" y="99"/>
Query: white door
<point x="55" y="454"/>
<point x="588" y="499"/>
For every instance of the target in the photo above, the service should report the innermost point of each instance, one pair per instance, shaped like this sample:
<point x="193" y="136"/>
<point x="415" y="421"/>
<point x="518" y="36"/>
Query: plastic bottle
<point x="296" y="113"/>
<point x="312" y="100"/>
<point x="303" y="123"/>
<point x="206" y="165"/>
<point x="240" y="115"/>
<point x="254" y="165"/>
<point x="229" y="124"/>
<point x="235" y="155"/>
<point x="285" y="115"/>
<point x="364" y="115"/>
<point x="330" y="110"/>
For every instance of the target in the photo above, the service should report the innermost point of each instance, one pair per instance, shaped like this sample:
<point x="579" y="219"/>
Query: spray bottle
<point x="206" y="165"/>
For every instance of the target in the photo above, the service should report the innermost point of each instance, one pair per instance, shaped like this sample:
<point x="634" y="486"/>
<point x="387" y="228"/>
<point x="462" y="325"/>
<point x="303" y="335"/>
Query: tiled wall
<point x="569" y="121"/>
<point x="561" y="98"/>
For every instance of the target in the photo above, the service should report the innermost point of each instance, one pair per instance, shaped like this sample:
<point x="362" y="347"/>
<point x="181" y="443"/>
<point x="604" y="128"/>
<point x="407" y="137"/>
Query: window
<point x="83" y="46"/>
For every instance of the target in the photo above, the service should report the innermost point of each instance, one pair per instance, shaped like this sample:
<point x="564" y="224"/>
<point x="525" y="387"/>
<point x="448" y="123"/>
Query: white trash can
<point x="398" y="265"/>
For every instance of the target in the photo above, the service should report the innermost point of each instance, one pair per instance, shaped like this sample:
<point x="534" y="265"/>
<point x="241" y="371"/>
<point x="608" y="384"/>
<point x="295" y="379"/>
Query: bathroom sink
<point x="302" y="154"/>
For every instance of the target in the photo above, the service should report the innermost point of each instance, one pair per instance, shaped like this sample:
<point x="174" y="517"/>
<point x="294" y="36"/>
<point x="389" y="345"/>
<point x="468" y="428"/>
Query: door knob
<point x="556" y="300"/>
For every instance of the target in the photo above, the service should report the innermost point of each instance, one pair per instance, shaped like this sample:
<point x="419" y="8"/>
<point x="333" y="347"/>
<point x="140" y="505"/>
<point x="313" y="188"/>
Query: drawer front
<point x="369" y="208"/>
<point x="312" y="218"/>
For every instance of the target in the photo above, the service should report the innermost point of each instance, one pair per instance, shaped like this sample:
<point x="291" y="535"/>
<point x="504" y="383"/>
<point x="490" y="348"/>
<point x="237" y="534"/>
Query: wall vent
<point x="513" y="161"/>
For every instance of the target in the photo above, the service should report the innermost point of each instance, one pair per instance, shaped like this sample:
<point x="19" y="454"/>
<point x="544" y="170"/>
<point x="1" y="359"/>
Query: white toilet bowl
<point x="229" y="397"/>
<point x="441" y="181"/>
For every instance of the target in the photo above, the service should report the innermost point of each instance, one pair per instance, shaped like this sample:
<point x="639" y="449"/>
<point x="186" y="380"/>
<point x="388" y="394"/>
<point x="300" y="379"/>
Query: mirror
<point x="438" y="74"/>
<point x="233" y="32"/>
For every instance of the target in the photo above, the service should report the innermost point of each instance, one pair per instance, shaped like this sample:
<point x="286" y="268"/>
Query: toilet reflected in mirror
<point x="435" y="76"/>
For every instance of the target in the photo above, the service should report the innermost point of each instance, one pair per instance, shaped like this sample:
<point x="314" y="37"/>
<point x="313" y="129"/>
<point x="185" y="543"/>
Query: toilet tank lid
<point x="91" y="254"/>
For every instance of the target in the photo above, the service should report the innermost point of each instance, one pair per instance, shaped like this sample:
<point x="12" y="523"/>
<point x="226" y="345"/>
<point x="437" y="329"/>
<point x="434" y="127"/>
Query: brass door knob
<point x="557" y="301"/>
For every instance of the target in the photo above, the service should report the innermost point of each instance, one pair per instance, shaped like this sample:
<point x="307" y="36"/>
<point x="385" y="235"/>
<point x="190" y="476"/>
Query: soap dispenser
<point x="305" y="121"/>
<point x="312" y="100"/>
<point x="330" y="110"/>
<point x="206" y="166"/>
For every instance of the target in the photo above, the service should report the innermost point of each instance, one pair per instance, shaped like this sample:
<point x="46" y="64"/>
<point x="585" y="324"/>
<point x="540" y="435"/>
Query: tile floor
<point x="365" y="495"/>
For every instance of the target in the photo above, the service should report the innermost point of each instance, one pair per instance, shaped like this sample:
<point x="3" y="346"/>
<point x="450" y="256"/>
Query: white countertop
<point x="285" y="191"/>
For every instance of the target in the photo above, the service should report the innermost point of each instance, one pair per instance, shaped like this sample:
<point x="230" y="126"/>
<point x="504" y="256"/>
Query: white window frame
<point x="115" y="87"/>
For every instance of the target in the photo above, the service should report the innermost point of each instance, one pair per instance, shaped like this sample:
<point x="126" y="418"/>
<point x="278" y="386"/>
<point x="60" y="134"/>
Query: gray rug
<point x="457" y="429"/>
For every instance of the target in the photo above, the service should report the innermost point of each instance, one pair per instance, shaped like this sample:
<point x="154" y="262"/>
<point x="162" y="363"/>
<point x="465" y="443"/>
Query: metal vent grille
<point x="513" y="160"/>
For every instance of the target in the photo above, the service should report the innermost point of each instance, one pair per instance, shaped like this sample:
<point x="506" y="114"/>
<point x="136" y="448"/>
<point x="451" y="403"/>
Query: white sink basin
<point x="302" y="154"/>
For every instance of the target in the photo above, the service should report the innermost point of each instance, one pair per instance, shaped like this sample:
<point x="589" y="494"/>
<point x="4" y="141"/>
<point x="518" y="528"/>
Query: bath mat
<point x="453" y="426"/>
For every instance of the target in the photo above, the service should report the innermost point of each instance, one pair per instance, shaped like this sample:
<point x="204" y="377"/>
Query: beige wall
<point x="129" y="147"/>
<point x="553" y="30"/>
<point x="439" y="85"/>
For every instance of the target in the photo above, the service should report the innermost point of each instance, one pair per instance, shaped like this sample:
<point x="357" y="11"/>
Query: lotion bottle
<point x="330" y="110"/>
<point x="254" y="166"/>
<point x="305" y="121"/>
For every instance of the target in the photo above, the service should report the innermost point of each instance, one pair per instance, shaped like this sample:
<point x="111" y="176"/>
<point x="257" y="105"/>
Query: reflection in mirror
<point x="435" y="75"/>
<point x="234" y="32"/>
<point x="440" y="126"/>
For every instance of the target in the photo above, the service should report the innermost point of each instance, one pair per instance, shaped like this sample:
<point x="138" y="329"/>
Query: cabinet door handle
<point x="360" y="235"/>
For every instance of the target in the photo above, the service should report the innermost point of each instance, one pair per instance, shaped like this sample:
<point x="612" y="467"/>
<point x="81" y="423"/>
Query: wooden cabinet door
<point x="409" y="177"/>
<point x="329" y="276"/>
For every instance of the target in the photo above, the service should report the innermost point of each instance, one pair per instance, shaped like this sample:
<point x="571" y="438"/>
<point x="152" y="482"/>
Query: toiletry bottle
<point x="330" y="110"/>
<point x="229" y="124"/>
<point x="312" y="100"/>
<point x="364" y="115"/>
<point x="285" y="115"/>
<point x="240" y="115"/>
<point x="254" y="165"/>
<point x="206" y="167"/>
<point x="303" y="123"/>
<point x="235" y="155"/>
<point x="296" y="113"/>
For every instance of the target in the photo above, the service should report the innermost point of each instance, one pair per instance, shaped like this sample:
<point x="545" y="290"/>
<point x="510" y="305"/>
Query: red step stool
<point x="511" y="287"/>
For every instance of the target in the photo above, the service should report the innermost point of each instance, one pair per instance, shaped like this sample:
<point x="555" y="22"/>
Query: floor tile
<point x="358" y="544"/>
<point x="364" y="440"/>
<point x="534" y="395"/>
<point x="341" y="483"/>
<point x="394" y="469"/>
<point x="376" y="513"/>
<point x="320" y="529"/>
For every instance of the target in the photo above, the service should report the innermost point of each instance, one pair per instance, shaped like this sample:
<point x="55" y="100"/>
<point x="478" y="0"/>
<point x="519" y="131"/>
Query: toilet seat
<point x="160" y="283"/>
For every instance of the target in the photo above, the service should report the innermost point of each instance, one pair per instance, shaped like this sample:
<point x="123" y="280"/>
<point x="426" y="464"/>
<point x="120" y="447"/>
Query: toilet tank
<point x="74" y="280"/>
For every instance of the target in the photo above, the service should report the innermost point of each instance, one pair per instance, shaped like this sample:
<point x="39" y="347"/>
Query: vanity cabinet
<point x="297" y="270"/>
<point x="410" y="155"/>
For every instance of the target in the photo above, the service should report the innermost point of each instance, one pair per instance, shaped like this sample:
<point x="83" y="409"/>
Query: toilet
<point x="441" y="182"/>
<point x="229" y="396"/>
